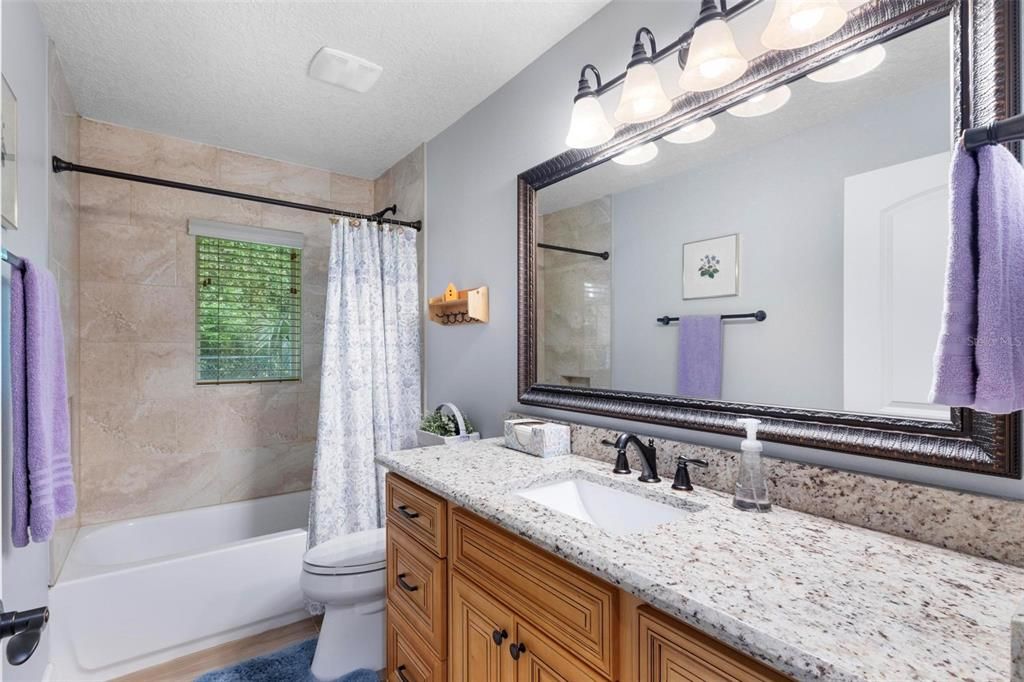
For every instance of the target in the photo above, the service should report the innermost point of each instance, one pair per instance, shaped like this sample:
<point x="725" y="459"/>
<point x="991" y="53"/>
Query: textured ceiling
<point x="233" y="74"/>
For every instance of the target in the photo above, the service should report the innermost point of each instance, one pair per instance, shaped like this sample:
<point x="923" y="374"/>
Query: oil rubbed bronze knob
<point x="516" y="649"/>
<point x="499" y="637"/>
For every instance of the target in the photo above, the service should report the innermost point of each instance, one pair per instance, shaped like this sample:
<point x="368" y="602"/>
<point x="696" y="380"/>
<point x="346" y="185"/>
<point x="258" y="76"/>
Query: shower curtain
<point x="370" y="381"/>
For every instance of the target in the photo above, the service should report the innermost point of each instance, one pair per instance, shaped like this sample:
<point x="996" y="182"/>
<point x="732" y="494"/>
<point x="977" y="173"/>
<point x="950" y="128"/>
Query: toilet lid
<point x="361" y="552"/>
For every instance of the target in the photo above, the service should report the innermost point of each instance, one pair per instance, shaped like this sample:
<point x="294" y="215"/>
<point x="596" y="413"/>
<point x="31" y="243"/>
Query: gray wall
<point x="24" y="64"/>
<point x="785" y="198"/>
<point x="471" y="236"/>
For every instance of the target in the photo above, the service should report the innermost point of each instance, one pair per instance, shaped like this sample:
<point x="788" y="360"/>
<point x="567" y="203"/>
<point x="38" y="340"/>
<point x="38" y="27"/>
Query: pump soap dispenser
<point x="751" y="490"/>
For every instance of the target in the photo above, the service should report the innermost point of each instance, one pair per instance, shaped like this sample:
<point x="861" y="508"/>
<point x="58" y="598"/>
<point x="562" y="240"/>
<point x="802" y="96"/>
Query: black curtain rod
<point x="12" y="260"/>
<point x="60" y="166"/>
<point x="603" y="255"/>
<point x="1007" y="130"/>
<point x="758" y="315"/>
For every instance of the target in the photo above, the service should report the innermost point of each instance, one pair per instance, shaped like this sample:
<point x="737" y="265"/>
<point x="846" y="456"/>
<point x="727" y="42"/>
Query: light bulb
<point x="762" y="103"/>
<point x="713" y="60"/>
<point x="850" y="66"/>
<point x="588" y="126"/>
<point x="694" y="132"/>
<point x="797" y="23"/>
<point x="637" y="155"/>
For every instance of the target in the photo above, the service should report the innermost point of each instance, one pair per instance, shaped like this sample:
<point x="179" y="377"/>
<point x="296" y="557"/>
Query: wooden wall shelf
<point x="457" y="306"/>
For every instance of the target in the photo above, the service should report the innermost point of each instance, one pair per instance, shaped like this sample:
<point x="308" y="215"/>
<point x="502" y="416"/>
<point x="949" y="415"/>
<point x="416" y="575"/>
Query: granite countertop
<point x="813" y="598"/>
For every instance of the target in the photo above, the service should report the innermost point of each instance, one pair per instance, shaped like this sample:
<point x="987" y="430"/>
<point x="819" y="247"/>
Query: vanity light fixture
<point x="762" y="103"/>
<point x="713" y="60"/>
<point x="694" y="132"/>
<point x="850" y="66"/>
<point x="798" y="23"/>
<point x="643" y="98"/>
<point x="637" y="155"/>
<point x="588" y="126"/>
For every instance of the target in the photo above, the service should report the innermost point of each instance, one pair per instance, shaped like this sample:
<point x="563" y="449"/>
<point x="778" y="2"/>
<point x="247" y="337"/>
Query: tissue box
<point x="536" y="437"/>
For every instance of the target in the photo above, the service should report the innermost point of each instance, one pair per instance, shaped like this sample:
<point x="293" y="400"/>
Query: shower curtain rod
<point x="61" y="166"/>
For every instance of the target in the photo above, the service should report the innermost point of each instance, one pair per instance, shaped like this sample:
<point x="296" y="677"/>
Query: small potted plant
<point x="441" y="428"/>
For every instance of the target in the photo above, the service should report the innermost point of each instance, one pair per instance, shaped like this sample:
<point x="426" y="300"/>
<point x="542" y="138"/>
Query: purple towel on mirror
<point x="999" y="349"/>
<point x="43" y="488"/>
<point x="700" y="357"/>
<point x="955" y="375"/>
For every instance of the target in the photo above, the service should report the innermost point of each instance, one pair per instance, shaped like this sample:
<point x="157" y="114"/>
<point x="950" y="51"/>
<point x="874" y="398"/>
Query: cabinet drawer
<point x="418" y="512"/>
<point x="671" y="651"/>
<point x="409" y="660"/>
<point x="574" y="609"/>
<point x="417" y="589"/>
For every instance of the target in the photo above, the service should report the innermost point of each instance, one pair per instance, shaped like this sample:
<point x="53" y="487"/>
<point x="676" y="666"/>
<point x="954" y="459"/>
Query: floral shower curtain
<point x="370" y="381"/>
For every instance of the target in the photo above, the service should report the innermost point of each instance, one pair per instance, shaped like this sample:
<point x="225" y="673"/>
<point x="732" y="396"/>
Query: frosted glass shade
<point x="694" y="132"/>
<point x="637" y="155"/>
<point x="796" y="23"/>
<point x="850" y="66"/>
<point x="713" y="59"/>
<point x="764" y="103"/>
<point x="643" y="98"/>
<point x="588" y="126"/>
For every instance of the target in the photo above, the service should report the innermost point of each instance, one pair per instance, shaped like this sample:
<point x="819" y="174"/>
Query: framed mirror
<point x="776" y="247"/>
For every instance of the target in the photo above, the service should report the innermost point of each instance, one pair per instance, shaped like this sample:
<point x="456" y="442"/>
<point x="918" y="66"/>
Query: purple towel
<point x="700" y="357"/>
<point x="43" y="485"/>
<point x="999" y="350"/>
<point x="955" y="374"/>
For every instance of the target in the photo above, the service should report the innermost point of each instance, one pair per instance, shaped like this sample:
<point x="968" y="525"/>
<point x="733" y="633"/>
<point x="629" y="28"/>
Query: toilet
<point x="347" y="576"/>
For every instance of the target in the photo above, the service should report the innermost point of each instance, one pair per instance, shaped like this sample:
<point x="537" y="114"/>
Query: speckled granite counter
<point x="814" y="598"/>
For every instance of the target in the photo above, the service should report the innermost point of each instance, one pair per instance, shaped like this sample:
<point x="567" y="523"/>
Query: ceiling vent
<point x="344" y="70"/>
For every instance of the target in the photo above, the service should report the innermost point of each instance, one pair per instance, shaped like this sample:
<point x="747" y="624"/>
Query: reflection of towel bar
<point x="13" y="260"/>
<point x="603" y="255"/>
<point x="759" y="315"/>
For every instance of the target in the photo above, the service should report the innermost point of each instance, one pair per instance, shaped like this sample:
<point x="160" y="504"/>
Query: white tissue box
<point x="535" y="437"/>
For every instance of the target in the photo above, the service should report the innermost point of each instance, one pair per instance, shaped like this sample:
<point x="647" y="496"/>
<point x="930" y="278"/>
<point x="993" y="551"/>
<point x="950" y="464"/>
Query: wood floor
<point x="187" y="668"/>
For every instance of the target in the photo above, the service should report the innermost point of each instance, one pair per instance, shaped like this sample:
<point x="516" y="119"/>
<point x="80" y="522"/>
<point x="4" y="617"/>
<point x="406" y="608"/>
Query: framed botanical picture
<point x="9" y="159"/>
<point x="711" y="267"/>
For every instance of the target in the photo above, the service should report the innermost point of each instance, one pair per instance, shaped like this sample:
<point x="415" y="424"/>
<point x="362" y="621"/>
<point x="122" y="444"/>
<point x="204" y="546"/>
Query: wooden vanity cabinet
<point x="497" y="608"/>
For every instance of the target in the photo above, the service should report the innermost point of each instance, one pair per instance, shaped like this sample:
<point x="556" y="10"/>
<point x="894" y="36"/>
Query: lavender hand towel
<point x="955" y="375"/>
<point x="700" y="357"/>
<point x="43" y="485"/>
<point x="999" y="348"/>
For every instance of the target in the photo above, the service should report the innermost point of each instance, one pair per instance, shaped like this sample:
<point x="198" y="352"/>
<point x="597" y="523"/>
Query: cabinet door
<point x="540" y="659"/>
<point x="673" y="652"/>
<point x="480" y="632"/>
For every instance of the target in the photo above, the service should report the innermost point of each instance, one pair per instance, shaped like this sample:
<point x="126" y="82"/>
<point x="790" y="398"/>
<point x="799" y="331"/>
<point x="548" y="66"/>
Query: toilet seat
<point x="352" y="554"/>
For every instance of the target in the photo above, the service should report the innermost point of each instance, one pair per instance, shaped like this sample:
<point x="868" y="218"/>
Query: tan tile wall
<point x="152" y="440"/>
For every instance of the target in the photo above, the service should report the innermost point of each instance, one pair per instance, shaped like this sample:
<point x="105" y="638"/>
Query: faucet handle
<point x="621" y="461"/>
<point x="682" y="478"/>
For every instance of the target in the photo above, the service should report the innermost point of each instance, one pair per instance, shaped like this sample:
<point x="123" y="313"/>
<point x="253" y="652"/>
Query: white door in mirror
<point x="895" y="235"/>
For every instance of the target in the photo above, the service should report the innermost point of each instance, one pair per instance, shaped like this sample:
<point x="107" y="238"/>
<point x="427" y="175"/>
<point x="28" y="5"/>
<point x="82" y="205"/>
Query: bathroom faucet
<point x="648" y="456"/>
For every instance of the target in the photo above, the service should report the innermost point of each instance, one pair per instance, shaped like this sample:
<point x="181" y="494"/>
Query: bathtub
<point x="136" y="593"/>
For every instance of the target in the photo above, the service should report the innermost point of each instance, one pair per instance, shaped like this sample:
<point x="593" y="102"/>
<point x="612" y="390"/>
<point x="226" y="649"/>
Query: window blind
<point x="248" y="311"/>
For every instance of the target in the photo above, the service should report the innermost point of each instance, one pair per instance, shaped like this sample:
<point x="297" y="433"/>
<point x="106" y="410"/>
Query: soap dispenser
<point x="751" y="490"/>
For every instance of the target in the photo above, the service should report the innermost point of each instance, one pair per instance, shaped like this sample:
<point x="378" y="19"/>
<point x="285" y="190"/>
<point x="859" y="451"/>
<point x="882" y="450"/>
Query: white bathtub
<point x="136" y="593"/>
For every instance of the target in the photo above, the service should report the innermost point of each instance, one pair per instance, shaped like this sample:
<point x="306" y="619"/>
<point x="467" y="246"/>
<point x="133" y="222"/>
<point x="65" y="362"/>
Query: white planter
<point x="425" y="438"/>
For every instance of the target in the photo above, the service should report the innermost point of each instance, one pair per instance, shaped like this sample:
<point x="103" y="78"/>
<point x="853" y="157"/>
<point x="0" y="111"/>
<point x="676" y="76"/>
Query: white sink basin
<point x="613" y="511"/>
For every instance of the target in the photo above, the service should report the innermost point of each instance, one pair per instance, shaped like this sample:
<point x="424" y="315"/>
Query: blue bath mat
<point x="290" y="664"/>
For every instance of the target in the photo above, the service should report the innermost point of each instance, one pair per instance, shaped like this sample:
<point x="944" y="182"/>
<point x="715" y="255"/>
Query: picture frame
<point x="711" y="267"/>
<point x="9" y="158"/>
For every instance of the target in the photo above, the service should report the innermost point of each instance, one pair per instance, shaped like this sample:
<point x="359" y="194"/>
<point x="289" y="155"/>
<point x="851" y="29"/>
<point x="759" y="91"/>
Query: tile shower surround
<point x="152" y="440"/>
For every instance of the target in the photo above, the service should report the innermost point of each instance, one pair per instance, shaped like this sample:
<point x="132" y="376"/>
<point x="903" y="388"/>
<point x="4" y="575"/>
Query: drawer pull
<point x="516" y="649"/>
<point x="401" y="673"/>
<point x="499" y="637"/>
<point x="404" y="585"/>
<point x="404" y="511"/>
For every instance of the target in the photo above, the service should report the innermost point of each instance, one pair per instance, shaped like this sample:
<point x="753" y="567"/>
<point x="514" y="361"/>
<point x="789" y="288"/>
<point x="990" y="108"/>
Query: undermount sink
<point x="614" y="511"/>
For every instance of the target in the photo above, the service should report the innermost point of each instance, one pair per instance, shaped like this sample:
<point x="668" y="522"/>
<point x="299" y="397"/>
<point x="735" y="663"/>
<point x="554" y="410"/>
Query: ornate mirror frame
<point x="986" y="87"/>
